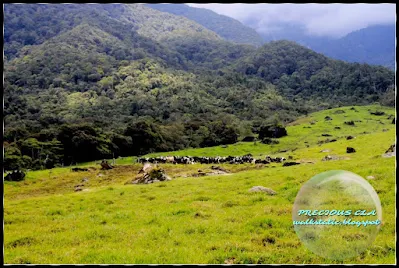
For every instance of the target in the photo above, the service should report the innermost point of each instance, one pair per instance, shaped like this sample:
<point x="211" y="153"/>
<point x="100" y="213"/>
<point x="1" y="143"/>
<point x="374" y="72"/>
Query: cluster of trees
<point x="82" y="84"/>
<point x="70" y="144"/>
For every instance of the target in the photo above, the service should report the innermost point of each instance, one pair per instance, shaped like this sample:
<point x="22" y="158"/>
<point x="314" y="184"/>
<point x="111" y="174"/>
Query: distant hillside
<point x="228" y="28"/>
<point x="373" y="45"/>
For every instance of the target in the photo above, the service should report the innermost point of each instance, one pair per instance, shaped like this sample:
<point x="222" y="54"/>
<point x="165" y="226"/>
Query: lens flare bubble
<point x="337" y="214"/>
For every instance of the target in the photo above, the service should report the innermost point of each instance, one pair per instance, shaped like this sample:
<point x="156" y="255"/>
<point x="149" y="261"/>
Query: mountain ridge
<point x="227" y="27"/>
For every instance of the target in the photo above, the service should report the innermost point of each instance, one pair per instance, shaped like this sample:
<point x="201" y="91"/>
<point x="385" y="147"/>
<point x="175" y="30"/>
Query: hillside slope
<point x="227" y="223"/>
<point x="373" y="45"/>
<point x="228" y="28"/>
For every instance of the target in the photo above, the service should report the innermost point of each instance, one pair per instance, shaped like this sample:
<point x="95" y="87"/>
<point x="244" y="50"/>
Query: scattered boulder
<point x="15" y="175"/>
<point x="79" y="187"/>
<point x="327" y="118"/>
<point x="224" y="146"/>
<point x="350" y="137"/>
<point x="216" y="171"/>
<point x="199" y="174"/>
<point x="330" y="157"/>
<point x="353" y="109"/>
<point x="390" y="152"/>
<point x="326" y="135"/>
<point x="370" y="177"/>
<point x="290" y="157"/>
<point x="349" y="123"/>
<point x="384" y="130"/>
<point x="391" y="149"/>
<point x="378" y="113"/>
<point x="325" y="151"/>
<point x="219" y="168"/>
<point x="350" y="150"/>
<point x="258" y="189"/>
<point x="76" y="169"/>
<point x="287" y="164"/>
<point x="85" y="180"/>
<point x="339" y="112"/>
<point x="229" y="261"/>
<point x="105" y="165"/>
<point x="337" y="127"/>
<point x="146" y="167"/>
<point x="150" y="174"/>
<point x="326" y="141"/>
<point x="313" y="122"/>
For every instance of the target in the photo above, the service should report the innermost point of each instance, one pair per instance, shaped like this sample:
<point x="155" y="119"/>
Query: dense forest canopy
<point x="85" y="82"/>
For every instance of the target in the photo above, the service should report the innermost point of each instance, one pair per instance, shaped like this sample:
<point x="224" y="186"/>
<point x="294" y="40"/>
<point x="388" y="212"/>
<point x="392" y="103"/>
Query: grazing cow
<point x="210" y="160"/>
<point x="170" y="159"/>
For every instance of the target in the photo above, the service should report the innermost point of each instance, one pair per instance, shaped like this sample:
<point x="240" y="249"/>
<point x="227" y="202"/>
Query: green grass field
<point x="211" y="219"/>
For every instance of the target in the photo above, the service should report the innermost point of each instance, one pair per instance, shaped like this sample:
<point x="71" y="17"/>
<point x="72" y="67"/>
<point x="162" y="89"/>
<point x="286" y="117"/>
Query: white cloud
<point x="334" y="20"/>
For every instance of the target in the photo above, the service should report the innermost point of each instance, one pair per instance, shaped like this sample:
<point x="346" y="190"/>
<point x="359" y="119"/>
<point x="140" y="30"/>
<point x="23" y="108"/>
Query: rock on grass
<point x="258" y="189"/>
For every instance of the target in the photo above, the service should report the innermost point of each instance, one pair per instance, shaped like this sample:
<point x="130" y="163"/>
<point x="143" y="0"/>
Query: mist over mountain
<point x="363" y="33"/>
<point x="373" y="45"/>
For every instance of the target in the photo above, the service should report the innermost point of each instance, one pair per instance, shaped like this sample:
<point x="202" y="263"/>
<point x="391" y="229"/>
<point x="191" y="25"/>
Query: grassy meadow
<point x="200" y="220"/>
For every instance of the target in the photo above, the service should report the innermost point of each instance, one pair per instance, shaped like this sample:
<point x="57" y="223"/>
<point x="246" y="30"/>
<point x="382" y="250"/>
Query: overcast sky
<point x="333" y="20"/>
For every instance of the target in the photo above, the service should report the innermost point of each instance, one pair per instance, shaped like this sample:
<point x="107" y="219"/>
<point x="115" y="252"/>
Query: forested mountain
<point x="226" y="27"/>
<point x="373" y="45"/>
<point x="85" y="82"/>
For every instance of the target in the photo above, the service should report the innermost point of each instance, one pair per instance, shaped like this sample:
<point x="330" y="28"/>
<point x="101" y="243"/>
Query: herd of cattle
<point x="210" y="160"/>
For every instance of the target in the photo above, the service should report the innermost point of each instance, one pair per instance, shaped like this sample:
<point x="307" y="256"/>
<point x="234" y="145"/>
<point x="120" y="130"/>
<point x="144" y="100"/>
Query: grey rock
<point x="257" y="189"/>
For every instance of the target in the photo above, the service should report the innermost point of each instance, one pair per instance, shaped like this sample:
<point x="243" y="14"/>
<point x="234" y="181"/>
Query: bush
<point x="16" y="175"/>
<point x="272" y="131"/>
<point x="248" y="139"/>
